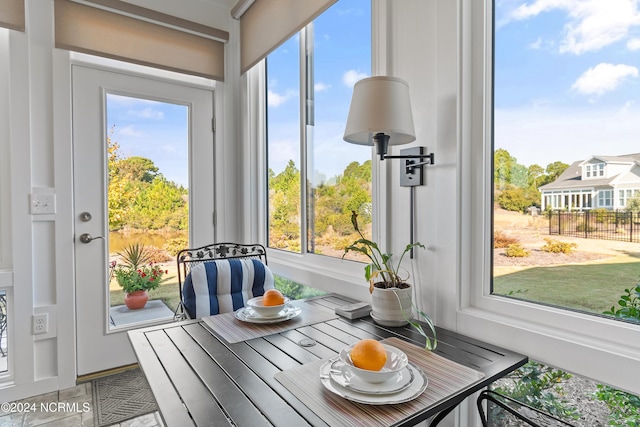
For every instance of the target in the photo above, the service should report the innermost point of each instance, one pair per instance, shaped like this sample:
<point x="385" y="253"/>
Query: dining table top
<point x="229" y="370"/>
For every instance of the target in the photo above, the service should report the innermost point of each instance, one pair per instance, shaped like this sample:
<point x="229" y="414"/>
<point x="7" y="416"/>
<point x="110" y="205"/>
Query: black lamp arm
<point x="410" y="165"/>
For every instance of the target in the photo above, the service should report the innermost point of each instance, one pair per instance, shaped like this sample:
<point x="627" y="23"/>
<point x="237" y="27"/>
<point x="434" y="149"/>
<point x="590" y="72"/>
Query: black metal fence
<point x="597" y="224"/>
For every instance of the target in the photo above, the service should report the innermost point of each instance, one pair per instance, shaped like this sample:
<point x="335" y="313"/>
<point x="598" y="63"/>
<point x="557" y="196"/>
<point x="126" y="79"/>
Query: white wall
<point x="423" y="50"/>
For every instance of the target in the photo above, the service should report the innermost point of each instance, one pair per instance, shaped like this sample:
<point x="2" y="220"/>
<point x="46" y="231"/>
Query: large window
<point x="565" y="85"/>
<point x="315" y="179"/>
<point x="496" y="303"/>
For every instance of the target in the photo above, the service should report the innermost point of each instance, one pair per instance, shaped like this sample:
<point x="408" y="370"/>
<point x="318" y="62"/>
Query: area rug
<point x="120" y="397"/>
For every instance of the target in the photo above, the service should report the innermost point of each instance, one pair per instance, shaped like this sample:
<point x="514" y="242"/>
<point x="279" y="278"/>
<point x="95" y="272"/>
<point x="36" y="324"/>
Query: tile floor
<point x="78" y="411"/>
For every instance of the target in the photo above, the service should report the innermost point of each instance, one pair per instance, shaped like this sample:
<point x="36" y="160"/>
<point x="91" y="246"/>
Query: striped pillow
<point x="222" y="286"/>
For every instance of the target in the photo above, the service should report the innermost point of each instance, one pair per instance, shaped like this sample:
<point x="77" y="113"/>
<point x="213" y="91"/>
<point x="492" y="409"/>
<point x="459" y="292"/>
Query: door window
<point x="148" y="200"/>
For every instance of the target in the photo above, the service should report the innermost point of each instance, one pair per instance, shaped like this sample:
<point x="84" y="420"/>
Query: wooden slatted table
<point x="200" y="379"/>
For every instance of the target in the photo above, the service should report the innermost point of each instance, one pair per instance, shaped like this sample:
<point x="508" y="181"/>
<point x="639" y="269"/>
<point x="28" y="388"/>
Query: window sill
<point x="608" y="360"/>
<point x="321" y="272"/>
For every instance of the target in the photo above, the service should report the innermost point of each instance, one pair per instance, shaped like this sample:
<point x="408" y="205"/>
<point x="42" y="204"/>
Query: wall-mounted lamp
<point x="380" y="115"/>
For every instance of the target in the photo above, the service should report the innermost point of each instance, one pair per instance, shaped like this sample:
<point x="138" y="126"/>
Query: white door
<point x="101" y="344"/>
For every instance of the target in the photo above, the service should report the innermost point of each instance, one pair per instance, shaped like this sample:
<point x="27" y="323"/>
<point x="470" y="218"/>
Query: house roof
<point x="626" y="158"/>
<point x="572" y="176"/>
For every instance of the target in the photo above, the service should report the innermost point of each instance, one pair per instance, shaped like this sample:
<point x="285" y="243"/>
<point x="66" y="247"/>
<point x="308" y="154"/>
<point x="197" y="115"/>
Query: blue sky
<point x="151" y="129"/>
<point x="567" y="79"/>
<point x="342" y="56"/>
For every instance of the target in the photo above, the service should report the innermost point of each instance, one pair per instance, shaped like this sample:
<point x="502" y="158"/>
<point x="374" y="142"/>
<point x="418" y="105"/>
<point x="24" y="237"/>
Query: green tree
<point x="519" y="175"/>
<point x="122" y="193"/>
<point x="554" y="170"/>
<point x="160" y="204"/>
<point x="138" y="169"/>
<point x="535" y="172"/>
<point x="502" y="164"/>
<point x="633" y="204"/>
<point x="284" y="208"/>
<point x="139" y="196"/>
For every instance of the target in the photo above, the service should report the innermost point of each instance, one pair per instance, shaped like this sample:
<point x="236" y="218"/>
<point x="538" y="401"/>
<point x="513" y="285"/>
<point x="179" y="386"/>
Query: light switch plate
<point x="43" y="204"/>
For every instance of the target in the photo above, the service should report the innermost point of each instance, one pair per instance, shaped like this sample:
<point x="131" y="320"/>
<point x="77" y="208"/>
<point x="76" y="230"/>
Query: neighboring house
<point x="600" y="182"/>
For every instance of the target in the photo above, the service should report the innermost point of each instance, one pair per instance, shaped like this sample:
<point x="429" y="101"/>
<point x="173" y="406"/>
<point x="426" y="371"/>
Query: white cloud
<point x="146" y="113"/>
<point x="536" y="44"/>
<point x="349" y="78"/>
<point x="592" y="25"/>
<point x="603" y="78"/>
<point x="130" y="131"/>
<point x="627" y="107"/>
<point x="275" y="99"/>
<point x="321" y="87"/>
<point x="633" y="44"/>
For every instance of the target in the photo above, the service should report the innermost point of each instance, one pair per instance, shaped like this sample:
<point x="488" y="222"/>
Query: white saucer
<point x="415" y="389"/>
<point x="343" y="375"/>
<point x="246" y="314"/>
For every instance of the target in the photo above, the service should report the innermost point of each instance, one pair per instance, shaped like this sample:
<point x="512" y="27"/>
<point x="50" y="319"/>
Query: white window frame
<point x="605" y="198"/>
<point x="6" y="264"/>
<point x="597" y="347"/>
<point x="588" y="168"/>
<point x="327" y="273"/>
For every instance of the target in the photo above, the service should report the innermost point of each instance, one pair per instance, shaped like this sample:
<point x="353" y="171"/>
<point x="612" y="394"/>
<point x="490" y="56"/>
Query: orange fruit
<point x="368" y="354"/>
<point x="272" y="297"/>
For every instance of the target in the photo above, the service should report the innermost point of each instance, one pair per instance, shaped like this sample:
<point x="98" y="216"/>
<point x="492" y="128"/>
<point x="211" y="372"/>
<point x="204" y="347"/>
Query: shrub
<point x="629" y="305"/>
<point x="513" y="199"/>
<point x="517" y="251"/>
<point x="624" y="406"/>
<point x="558" y="247"/>
<point x="175" y="245"/>
<point x="540" y="386"/>
<point x="582" y="227"/>
<point x="502" y="240"/>
<point x="602" y="215"/>
<point x="157" y="255"/>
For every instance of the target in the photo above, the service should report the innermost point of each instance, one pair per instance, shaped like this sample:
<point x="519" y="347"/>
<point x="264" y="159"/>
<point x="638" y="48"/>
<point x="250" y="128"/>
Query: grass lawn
<point x="593" y="287"/>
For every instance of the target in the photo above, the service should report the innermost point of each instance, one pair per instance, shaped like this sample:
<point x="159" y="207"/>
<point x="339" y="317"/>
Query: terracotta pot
<point x="136" y="300"/>
<point x="392" y="306"/>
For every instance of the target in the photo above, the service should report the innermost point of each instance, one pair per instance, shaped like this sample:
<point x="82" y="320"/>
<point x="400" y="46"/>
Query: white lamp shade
<point x="380" y="104"/>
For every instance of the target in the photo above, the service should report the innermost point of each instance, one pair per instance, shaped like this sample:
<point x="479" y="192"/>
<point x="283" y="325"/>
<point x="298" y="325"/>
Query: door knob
<point x="87" y="238"/>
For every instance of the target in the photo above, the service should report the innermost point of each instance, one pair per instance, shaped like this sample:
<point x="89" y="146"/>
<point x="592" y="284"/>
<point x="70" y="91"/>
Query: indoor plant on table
<point x="390" y="293"/>
<point x="136" y="275"/>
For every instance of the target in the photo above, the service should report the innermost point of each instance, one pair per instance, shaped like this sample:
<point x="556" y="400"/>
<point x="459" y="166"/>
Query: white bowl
<point x="265" y="310"/>
<point x="396" y="361"/>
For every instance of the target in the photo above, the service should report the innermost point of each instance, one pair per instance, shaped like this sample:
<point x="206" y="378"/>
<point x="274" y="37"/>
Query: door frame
<point x="161" y="77"/>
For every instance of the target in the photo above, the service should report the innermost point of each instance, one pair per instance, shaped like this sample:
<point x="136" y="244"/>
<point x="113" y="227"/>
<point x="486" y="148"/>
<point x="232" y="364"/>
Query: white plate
<point x="417" y="387"/>
<point x="246" y="314"/>
<point x="342" y="375"/>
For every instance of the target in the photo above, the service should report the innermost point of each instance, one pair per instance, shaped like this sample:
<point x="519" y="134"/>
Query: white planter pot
<point x="391" y="307"/>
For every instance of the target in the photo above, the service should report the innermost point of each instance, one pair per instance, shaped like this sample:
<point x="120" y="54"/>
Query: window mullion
<point x="306" y="34"/>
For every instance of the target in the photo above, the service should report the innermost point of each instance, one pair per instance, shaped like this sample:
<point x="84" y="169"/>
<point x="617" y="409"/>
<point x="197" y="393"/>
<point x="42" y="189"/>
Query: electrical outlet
<point x="40" y="323"/>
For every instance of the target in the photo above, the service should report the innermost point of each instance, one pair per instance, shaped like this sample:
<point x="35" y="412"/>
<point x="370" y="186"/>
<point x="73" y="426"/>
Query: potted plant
<point x="136" y="275"/>
<point x="391" y="295"/>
